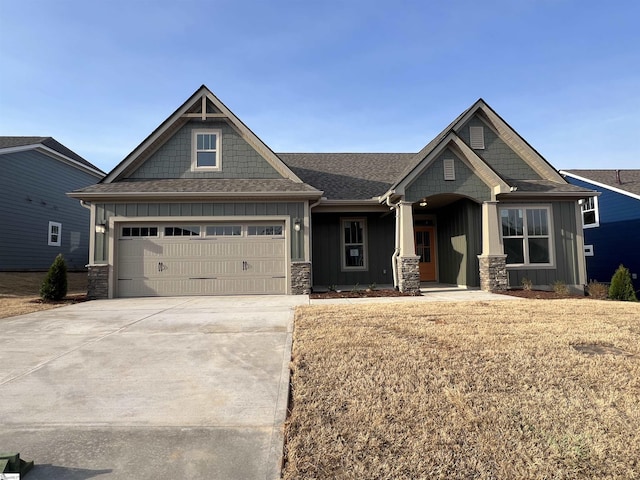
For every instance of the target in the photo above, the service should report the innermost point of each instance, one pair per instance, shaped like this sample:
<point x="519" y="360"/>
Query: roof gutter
<point x="172" y="195"/>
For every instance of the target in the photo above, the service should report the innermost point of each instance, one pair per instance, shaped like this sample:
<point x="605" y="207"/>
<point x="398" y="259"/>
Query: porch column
<point x="493" y="261"/>
<point x="408" y="269"/>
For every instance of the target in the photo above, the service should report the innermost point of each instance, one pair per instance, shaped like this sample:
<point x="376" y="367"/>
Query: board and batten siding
<point x="327" y="249"/>
<point x="459" y="230"/>
<point x="208" y="212"/>
<point x="33" y="188"/>
<point x="567" y="258"/>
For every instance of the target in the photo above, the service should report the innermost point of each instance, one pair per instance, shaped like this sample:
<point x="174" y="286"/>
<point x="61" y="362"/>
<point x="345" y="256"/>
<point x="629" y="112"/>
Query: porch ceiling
<point x="438" y="201"/>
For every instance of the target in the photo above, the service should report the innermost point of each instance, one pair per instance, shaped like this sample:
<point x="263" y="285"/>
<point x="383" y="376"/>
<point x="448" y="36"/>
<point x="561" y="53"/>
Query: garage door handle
<point x="245" y="266"/>
<point x="161" y="267"/>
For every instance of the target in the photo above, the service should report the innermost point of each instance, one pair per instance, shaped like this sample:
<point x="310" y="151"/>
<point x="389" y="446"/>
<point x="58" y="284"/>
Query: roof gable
<point x="452" y="135"/>
<point x="51" y="147"/>
<point x="625" y="182"/>
<point x="202" y="106"/>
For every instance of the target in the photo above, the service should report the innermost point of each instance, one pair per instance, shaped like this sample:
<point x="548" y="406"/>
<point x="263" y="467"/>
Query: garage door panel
<point x="172" y="266"/>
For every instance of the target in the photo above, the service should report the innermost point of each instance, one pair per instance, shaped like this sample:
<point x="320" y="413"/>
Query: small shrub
<point x="54" y="286"/>
<point x="372" y="286"/>
<point x="560" y="287"/>
<point x="527" y="284"/>
<point x="332" y="288"/>
<point x="621" y="286"/>
<point x="597" y="290"/>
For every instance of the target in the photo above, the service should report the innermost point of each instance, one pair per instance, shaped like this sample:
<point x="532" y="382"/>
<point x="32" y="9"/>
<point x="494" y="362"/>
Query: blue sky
<point x="326" y="76"/>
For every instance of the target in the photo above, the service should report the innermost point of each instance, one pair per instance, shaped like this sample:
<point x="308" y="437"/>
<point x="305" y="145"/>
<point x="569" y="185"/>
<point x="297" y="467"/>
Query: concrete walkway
<point x="162" y="388"/>
<point x="156" y="388"/>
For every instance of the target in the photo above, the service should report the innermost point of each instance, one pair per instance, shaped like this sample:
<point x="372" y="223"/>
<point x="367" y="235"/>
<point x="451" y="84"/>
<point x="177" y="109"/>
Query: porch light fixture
<point x="423" y="203"/>
<point x="296" y="225"/>
<point x="101" y="228"/>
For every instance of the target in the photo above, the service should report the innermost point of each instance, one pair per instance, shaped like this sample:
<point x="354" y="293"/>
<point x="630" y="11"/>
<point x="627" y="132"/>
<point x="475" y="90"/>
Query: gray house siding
<point x="209" y="210"/>
<point x="326" y="250"/>
<point x="173" y="159"/>
<point x="567" y="258"/>
<point x="459" y="228"/>
<point x="33" y="189"/>
<point x="498" y="154"/>
<point x="431" y="181"/>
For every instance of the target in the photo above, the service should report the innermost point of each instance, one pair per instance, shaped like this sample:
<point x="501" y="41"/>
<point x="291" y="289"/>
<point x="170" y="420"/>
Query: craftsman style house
<point x="37" y="219"/>
<point x="203" y="207"/>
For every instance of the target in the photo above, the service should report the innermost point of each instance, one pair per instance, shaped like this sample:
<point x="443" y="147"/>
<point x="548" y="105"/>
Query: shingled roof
<point x="49" y="142"/>
<point x="348" y="176"/>
<point x="629" y="179"/>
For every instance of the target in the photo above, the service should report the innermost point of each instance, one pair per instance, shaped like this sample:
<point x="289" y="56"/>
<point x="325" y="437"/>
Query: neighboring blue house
<point x="38" y="221"/>
<point x="611" y="221"/>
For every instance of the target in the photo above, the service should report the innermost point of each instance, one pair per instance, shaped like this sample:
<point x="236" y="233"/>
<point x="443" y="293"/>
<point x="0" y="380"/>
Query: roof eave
<point x="93" y="196"/>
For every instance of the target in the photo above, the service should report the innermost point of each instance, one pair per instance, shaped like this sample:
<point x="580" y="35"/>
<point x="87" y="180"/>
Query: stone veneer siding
<point x="493" y="272"/>
<point x="98" y="282"/>
<point x="300" y="278"/>
<point x="409" y="274"/>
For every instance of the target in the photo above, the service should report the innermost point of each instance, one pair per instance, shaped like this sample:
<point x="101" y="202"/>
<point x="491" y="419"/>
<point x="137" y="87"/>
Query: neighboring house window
<point x="207" y="151"/>
<point x="526" y="235"/>
<point x="55" y="234"/>
<point x="476" y="136"/>
<point x="590" y="213"/>
<point x="588" y="251"/>
<point x="354" y="247"/>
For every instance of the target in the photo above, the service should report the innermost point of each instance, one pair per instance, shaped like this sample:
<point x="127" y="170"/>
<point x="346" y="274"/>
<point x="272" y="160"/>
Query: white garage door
<point x="207" y="259"/>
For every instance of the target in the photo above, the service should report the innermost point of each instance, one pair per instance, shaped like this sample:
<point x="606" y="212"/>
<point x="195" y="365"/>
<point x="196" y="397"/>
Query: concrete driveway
<point x="151" y="388"/>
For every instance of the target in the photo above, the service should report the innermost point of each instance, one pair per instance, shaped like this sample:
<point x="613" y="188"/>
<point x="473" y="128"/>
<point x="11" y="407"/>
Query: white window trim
<point x="596" y="210"/>
<point x="526" y="264"/>
<point x="194" y="149"/>
<point x="58" y="242"/>
<point x="365" y="253"/>
<point x="588" y="251"/>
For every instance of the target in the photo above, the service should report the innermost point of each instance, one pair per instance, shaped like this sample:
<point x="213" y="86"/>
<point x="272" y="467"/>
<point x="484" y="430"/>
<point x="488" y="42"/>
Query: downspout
<point x="396" y="252"/>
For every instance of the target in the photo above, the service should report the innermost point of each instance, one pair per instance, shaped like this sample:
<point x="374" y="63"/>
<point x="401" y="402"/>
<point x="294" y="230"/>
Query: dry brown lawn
<point x="500" y="390"/>
<point x="20" y="292"/>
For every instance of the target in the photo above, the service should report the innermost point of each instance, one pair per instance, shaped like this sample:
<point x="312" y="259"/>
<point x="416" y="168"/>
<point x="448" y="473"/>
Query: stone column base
<point x="300" y="278"/>
<point x="409" y="274"/>
<point x="98" y="282"/>
<point x="493" y="272"/>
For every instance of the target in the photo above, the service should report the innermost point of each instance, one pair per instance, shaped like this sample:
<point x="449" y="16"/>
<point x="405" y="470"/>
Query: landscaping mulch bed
<point x="541" y="294"/>
<point x="369" y="293"/>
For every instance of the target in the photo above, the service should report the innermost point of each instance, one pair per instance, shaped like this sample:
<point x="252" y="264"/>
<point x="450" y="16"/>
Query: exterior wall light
<point x="296" y="225"/>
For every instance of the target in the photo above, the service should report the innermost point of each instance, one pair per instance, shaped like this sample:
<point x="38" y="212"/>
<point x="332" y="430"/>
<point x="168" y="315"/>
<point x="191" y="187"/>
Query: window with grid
<point x="54" y="238"/>
<point x="206" y="150"/>
<point x="526" y="235"/>
<point x="590" y="214"/>
<point x="354" y="252"/>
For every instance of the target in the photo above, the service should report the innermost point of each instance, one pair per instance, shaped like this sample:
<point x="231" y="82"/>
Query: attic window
<point x="449" y="169"/>
<point x="206" y="149"/>
<point x="476" y="135"/>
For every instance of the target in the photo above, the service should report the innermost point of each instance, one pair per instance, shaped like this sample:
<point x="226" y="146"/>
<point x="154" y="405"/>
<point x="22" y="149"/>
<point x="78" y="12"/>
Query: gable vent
<point x="449" y="169"/>
<point x="476" y="135"/>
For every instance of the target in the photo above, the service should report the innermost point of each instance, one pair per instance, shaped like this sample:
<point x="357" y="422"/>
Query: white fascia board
<point x="191" y="195"/>
<point x="55" y="155"/>
<point x="601" y="185"/>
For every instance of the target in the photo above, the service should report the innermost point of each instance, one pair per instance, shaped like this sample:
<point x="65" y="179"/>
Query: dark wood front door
<point x="425" y="248"/>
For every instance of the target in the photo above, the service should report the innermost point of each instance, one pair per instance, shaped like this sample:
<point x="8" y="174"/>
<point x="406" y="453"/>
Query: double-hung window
<point x="54" y="238"/>
<point x="526" y="235"/>
<point x="590" y="214"/>
<point x="206" y="149"/>
<point x="354" y="247"/>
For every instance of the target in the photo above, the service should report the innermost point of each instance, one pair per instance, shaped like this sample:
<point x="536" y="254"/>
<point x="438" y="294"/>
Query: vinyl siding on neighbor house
<point x="173" y="159"/>
<point x="617" y="238"/>
<point x="33" y="189"/>
<point x="567" y="258"/>
<point x="208" y="211"/>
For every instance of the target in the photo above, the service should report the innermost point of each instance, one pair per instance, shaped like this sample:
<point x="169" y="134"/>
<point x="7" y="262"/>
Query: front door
<point x="425" y="249"/>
